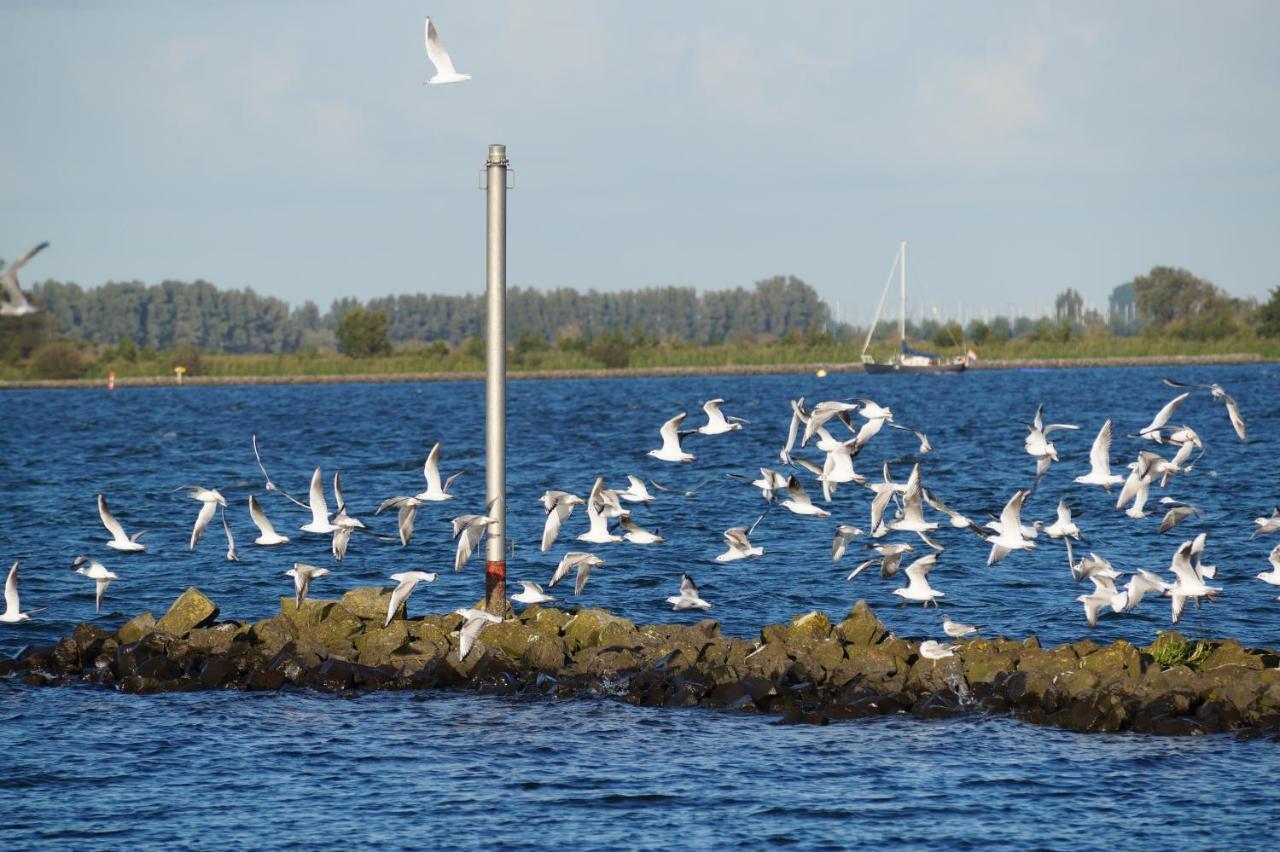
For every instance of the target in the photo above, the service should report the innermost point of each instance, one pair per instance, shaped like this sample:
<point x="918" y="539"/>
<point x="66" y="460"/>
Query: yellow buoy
<point x="822" y="374"/>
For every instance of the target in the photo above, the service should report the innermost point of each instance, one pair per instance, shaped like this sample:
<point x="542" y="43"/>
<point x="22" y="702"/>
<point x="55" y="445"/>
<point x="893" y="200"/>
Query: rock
<point x="89" y="640"/>
<point x="430" y="632"/>
<point x="379" y="643"/>
<point x="860" y="627"/>
<point x="216" y="639"/>
<point x="1117" y="661"/>
<point x="336" y="632"/>
<point x="335" y="675"/>
<point x="983" y="661"/>
<point x="264" y="680"/>
<point x="1076" y="683"/>
<point x="545" y="654"/>
<point x="272" y="634"/>
<point x="311" y="613"/>
<point x="807" y="630"/>
<point x="511" y="637"/>
<point x="546" y="620"/>
<point x="370" y="603"/>
<point x="1231" y="653"/>
<point x="875" y="664"/>
<point x="1238" y="685"/>
<point x="191" y="610"/>
<point x="597" y="627"/>
<point x="135" y="628"/>
<point x="607" y="662"/>
<point x="769" y="661"/>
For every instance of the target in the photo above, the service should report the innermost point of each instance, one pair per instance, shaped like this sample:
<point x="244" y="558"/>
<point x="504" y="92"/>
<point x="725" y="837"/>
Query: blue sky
<point x="291" y="147"/>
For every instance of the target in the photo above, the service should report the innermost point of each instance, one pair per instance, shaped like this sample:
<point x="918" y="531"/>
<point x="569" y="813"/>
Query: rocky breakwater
<point x="809" y="670"/>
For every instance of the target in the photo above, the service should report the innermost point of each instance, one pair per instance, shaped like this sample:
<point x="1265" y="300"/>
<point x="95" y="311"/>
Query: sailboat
<point x="908" y="359"/>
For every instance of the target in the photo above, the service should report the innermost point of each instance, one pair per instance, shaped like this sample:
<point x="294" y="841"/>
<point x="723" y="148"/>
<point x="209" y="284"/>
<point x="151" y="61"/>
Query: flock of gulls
<point x="905" y="516"/>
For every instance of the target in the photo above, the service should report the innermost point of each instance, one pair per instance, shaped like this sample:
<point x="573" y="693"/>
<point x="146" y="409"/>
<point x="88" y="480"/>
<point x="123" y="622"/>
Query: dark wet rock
<point x="1231" y="654"/>
<point x="216" y="639"/>
<point x="860" y="626"/>
<point x="336" y="631"/>
<point x="135" y="628"/>
<point x="377" y="644"/>
<point x="191" y="610"/>
<point x="272" y="634"/>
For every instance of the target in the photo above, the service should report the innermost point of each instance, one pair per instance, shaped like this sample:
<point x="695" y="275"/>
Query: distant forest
<point x="174" y="313"/>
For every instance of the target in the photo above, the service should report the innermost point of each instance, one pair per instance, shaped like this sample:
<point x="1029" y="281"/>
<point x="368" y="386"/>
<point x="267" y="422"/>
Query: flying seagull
<point x="468" y="530"/>
<point x="437" y="491"/>
<point x="12" y="606"/>
<point x="1272" y="577"/>
<point x="302" y="575"/>
<point x="890" y="558"/>
<point x="231" y="541"/>
<point x="579" y="561"/>
<point x="670" y="450"/>
<point x="445" y="72"/>
<point x="406" y="581"/>
<point x="94" y="571"/>
<point x="559" y="505"/>
<point x="739" y="542"/>
<point x="531" y="594"/>
<point x="918" y="588"/>
<point x="717" y="423"/>
<point x="14" y="302"/>
<point x="119" y="541"/>
<point x="210" y="500"/>
<point x="688" y="597"/>
<point x="1100" y="461"/>
<point x="1176" y="515"/>
<point x="269" y="537"/>
<point x="1233" y="410"/>
<point x="844" y="534"/>
<point x="474" y="621"/>
<point x="271" y="486"/>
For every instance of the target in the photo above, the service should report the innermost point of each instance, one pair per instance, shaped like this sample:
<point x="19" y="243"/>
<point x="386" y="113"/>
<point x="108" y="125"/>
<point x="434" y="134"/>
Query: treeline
<point x="175" y="314"/>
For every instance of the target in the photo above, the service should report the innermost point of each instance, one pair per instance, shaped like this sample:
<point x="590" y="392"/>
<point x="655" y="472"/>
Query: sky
<point x="1019" y="147"/>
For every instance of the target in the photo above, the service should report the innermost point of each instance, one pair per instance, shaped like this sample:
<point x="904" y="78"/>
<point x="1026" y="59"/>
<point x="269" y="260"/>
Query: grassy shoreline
<point x="362" y="374"/>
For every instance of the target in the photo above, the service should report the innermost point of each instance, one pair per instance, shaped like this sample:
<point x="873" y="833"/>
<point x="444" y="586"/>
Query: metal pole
<point x="495" y="432"/>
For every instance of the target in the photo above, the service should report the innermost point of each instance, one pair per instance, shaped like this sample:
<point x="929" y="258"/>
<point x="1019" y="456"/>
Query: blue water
<point x="91" y="768"/>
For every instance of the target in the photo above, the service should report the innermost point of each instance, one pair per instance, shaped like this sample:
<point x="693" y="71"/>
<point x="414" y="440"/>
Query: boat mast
<point x="884" y="294"/>
<point x="902" y="281"/>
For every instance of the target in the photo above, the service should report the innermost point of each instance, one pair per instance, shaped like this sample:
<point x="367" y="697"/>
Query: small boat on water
<point x="908" y="359"/>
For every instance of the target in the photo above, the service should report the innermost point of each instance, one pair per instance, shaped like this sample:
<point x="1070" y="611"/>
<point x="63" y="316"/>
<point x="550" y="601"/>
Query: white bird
<point x="468" y="530"/>
<point x="1272" y="577"/>
<point x="1038" y="445"/>
<point x="769" y="483"/>
<point x="637" y="534"/>
<point x="271" y="486"/>
<point x="14" y="302"/>
<point x="716" y="423"/>
<point x="739" y="542"/>
<point x="1140" y="584"/>
<point x="798" y="500"/>
<point x="1089" y="565"/>
<point x="670" y="450"/>
<point x="933" y="650"/>
<point x="575" y="560"/>
<point x="319" y="508"/>
<point x="688" y="597"/>
<point x="798" y="415"/>
<point x="1104" y="593"/>
<point x="408" y="506"/>
<point x="1267" y="523"/>
<point x="119" y="541"/>
<point x="1176" y="515"/>
<point x="956" y="630"/>
<point x="1063" y="526"/>
<point x="302" y="575"/>
<point x="912" y="519"/>
<point x="958" y="520"/>
<point x="559" y="506"/>
<point x="12" y="605"/>
<point x="1209" y="572"/>
<point x="532" y="594"/>
<point x="95" y="571"/>
<point x="474" y="621"/>
<point x="844" y="534"/>
<point x="268" y="537"/>
<point x="1189" y="583"/>
<point x="231" y="540"/>
<point x="1233" y="410"/>
<point x="636" y="491"/>
<point x="925" y="446"/>
<point x="210" y="500"/>
<point x="1010" y="532"/>
<point x="598" y="530"/>
<point x="1100" y="461"/>
<point x="1153" y="430"/>
<point x="343" y="527"/>
<point x="918" y="588"/>
<point x="890" y="558"/>
<point x="821" y="413"/>
<point x="445" y="72"/>
<point x="1138" y="484"/>
<point x="406" y="582"/>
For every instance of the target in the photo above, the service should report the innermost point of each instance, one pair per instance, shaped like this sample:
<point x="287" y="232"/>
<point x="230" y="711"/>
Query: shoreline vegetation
<point x="332" y="368"/>
<point x="807" y="671"/>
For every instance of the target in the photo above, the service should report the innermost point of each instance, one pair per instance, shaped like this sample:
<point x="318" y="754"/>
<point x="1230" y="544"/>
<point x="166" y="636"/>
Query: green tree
<point x="1168" y="294"/>
<point x="363" y="334"/>
<point x="1269" y="316"/>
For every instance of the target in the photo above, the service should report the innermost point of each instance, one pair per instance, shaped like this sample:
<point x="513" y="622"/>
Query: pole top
<point x="497" y="155"/>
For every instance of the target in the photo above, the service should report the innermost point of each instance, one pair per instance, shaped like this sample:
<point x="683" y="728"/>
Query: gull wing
<point x="467" y="542"/>
<point x="10" y="278"/>
<point x="918" y="570"/>
<point x="431" y="468"/>
<point x="1011" y="517"/>
<point x="555" y="519"/>
<point x="202" y="521"/>
<point x="439" y="58"/>
<point x="878" y="505"/>
<point x="687" y="587"/>
<point x="1162" y="417"/>
<point x="797" y="407"/>
<point x="714" y="416"/>
<point x="1100" y="453"/>
<point x="109" y="521"/>
<point x="231" y="541"/>
<point x="1233" y="411"/>
<point x="584" y="571"/>
<point x="470" y="631"/>
<point x="317" y="504"/>
<point x="796" y="491"/>
<point x="912" y="510"/>
<point x="404" y="522"/>
<point x="11" y="603"/>
<point x="737" y="538"/>
<point x="398" y="595"/>
<point x="1181" y="566"/>
<point x="670" y="433"/>
<point x="260" y="518"/>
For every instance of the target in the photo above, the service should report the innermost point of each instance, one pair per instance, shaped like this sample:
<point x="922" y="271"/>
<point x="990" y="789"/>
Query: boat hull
<point x="913" y="368"/>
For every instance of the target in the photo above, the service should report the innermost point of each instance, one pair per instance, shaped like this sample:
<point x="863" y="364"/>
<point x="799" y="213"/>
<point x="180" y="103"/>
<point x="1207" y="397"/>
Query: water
<point x="98" y="769"/>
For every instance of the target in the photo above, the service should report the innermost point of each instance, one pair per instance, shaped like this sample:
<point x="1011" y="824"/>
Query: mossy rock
<point x="430" y="631"/>
<point x="983" y="661"/>
<point x="379" y="643"/>
<point x="861" y="626"/>
<point x="1077" y="682"/>
<point x="808" y="629"/>
<point x="597" y="627"/>
<point x="936" y="676"/>
<point x="191" y="610"/>
<point x="548" y="621"/>
<point x="769" y="661"/>
<point x="1232" y="653"/>
<point x="370" y="603"/>
<point x="135" y="628"/>
<point x="1050" y="662"/>
<point x="337" y="632"/>
<point x="311" y="613"/>
<point x="511" y="637"/>
<point x="875" y="663"/>
<point x="216" y="639"/>
<point x="545" y="653"/>
<point x="272" y="634"/>
<point x="1116" y="661"/>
